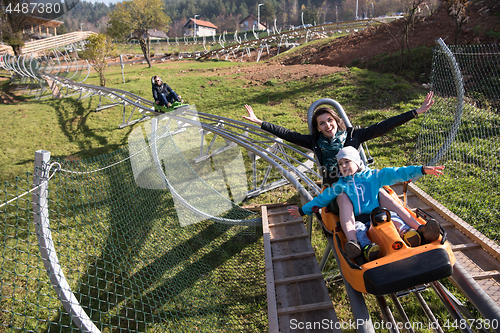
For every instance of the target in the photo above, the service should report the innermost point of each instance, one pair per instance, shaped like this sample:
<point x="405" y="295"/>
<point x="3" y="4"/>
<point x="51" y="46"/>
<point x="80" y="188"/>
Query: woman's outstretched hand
<point x="294" y="211"/>
<point x="427" y="103"/>
<point x="251" y="116"/>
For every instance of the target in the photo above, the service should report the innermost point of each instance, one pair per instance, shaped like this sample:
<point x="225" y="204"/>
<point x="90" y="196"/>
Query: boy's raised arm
<point x="294" y="211"/>
<point x="433" y="170"/>
<point x="426" y="105"/>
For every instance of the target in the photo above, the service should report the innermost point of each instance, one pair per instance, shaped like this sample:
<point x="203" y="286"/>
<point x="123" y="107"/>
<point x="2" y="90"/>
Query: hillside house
<point x="195" y="27"/>
<point x="251" y="21"/>
<point x="155" y="34"/>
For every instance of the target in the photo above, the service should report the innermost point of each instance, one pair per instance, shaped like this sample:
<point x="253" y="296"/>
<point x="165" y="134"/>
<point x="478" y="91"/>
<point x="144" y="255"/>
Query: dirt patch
<point x="72" y="158"/>
<point x="387" y="38"/>
<point x="261" y="74"/>
<point x="265" y="72"/>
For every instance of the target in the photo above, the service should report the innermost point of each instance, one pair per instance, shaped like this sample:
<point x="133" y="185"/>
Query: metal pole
<point x="434" y="323"/>
<point x="459" y="86"/>
<point x="325" y="256"/>
<point x="358" y="306"/>
<point x="47" y="248"/>
<point x="387" y="314"/>
<point x="452" y="309"/>
<point x="402" y="313"/>
<point x="122" y="65"/>
<point x="194" y="32"/>
<point x="258" y="16"/>
<point x="475" y="294"/>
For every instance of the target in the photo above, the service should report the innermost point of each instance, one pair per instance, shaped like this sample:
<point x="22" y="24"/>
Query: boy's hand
<point x="434" y="170"/>
<point x="294" y="211"/>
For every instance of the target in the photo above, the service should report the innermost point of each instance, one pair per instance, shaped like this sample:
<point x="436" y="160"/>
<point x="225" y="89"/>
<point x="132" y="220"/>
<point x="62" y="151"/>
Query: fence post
<point x="46" y="244"/>
<point x="459" y="86"/>
<point x="122" y="65"/>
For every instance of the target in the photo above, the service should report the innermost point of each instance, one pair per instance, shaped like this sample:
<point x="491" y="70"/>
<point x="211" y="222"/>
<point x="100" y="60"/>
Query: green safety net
<point x="136" y="256"/>
<point x="462" y="132"/>
<point x="202" y="184"/>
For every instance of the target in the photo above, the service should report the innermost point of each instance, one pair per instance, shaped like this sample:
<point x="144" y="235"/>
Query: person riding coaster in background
<point x="163" y="94"/>
<point x="362" y="186"/>
<point x="330" y="134"/>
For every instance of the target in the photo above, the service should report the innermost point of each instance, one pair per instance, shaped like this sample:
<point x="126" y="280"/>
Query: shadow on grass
<point x="73" y="121"/>
<point x="72" y="117"/>
<point x="144" y="270"/>
<point x="8" y="94"/>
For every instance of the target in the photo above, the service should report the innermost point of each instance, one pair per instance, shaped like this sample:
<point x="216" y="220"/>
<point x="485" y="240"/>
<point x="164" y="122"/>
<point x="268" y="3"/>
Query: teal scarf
<point x="330" y="148"/>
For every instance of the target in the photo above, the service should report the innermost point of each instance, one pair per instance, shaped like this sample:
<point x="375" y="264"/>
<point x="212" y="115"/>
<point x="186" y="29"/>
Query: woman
<point x="162" y="93"/>
<point x="329" y="137"/>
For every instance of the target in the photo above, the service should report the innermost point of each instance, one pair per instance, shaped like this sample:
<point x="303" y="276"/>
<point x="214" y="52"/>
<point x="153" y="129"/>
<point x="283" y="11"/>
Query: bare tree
<point x="12" y="23"/>
<point x="294" y="12"/>
<point x="410" y="16"/>
<point x="322" y="11"/>
<point x="459" y="10"/>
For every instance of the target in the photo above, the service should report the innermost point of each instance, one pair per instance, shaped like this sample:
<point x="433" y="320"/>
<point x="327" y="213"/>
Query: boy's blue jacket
<point x="362" y="188"/>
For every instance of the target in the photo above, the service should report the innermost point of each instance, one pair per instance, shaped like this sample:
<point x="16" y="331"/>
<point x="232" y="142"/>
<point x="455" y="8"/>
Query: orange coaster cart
<point x="399" y="267"/>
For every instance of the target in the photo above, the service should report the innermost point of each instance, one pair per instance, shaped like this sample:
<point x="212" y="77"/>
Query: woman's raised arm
<point x="427" y="103"/>
<point x="251" y="116"/>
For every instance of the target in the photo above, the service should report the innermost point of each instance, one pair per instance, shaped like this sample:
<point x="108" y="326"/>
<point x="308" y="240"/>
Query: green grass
<point x="71" y="130"/>
<point x="417" y="64"/>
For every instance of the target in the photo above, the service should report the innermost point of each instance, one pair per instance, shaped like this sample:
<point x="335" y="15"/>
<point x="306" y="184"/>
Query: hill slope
<point x="483" y="28"/>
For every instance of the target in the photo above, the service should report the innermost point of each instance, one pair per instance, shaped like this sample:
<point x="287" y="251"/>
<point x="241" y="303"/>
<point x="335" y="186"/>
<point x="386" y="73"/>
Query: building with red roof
<point x="194" y="27"/>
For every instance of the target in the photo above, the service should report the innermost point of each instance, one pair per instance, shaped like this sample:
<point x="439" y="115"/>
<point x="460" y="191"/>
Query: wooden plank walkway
<point x="296" y="291"/>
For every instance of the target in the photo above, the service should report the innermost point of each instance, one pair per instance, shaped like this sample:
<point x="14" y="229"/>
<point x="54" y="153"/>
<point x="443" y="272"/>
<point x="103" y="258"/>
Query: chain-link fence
<point x="110" y="233"/>
<point x="462" y="132"/>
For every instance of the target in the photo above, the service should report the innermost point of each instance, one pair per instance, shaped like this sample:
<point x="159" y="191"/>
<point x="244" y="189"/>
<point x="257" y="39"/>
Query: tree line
<point x="226" y="14"/>
<point x="94" y="17"/>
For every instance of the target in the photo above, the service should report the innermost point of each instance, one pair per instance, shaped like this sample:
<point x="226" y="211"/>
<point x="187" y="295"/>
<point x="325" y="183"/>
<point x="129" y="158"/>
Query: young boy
<point x="362" y="187"/>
